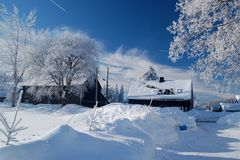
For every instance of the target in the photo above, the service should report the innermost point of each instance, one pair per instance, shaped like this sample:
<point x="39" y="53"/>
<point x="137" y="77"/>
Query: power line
<point x="58" y="5"/>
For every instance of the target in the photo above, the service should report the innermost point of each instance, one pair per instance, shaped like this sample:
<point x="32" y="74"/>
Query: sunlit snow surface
<point x="119" y="131"/>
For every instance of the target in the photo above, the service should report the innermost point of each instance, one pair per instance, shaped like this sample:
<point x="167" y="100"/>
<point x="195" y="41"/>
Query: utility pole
<point x="107" y="84"/>
<point x="80" y="97"/>
<point x="96" y="92"/>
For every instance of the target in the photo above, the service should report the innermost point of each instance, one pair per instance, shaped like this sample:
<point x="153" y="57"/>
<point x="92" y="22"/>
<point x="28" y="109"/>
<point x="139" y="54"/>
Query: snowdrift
<point x="119" y="132"/>
<point x="160" y="125"/>
<point x="180" y="117"/>
<point x="64" y="143"/>
<point x="230" y="119"/>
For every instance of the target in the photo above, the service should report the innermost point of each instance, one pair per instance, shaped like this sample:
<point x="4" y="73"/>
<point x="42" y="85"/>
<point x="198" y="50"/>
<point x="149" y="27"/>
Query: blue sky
<point x="133" y="33"/>
<point x="128" y="23"/>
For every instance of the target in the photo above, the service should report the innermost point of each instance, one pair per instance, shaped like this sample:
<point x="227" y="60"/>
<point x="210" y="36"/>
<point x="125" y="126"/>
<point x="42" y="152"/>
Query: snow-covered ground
<point x="119" y="131"/>
<point x="208" y="142"/>
<point x="206" y="115"/>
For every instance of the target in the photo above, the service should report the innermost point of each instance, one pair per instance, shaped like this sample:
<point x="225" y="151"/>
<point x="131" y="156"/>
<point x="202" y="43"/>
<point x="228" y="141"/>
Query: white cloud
<point x="128" y="65"/>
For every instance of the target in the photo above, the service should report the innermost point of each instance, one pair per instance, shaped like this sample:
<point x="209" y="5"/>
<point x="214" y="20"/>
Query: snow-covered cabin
<point x="162" y="93"/>
<point x="88" y="97"/>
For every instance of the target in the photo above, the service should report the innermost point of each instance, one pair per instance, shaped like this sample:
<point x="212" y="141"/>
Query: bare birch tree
<point x="15" y="30"/>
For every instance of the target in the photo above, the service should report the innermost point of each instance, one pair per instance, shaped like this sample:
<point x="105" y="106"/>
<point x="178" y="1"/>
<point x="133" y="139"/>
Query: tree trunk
<point x="63" y="98"/>
<point x="14" y="96"/>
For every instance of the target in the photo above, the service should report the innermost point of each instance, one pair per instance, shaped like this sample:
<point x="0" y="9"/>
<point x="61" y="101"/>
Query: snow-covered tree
<point x="208" y="31"/>
<point x="121" y="94"/>
<point x="14" y="47"/>
<point x="116" y="94"/>
<point x="150" y="74"/>
<point x="66" y="60"/>
<point x="111" y="93"/>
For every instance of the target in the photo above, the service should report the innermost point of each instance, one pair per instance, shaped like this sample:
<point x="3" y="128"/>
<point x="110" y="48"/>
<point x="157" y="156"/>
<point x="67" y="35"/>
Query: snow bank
<point x="159" y="124"/>
<point x="180" y="117"/>
<point x="66" y="143"/>
<point x="230" y="119"/>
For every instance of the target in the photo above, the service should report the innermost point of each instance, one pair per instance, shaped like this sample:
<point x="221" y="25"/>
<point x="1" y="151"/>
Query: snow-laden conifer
<point x="150" y="74"/>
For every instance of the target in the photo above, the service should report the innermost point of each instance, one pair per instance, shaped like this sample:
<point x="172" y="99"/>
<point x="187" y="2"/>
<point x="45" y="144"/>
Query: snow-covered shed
<point x="162" y="93"/>
<point x="88" y="97"/>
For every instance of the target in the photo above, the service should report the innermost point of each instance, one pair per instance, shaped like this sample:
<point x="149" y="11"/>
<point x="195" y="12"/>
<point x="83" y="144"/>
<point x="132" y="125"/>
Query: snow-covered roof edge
<point x="150" y="90"/>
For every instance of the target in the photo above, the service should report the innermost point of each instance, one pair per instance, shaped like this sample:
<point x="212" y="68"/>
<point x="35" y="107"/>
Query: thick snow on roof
<point x="41" y="81"/>
<point x="152" y="90"/>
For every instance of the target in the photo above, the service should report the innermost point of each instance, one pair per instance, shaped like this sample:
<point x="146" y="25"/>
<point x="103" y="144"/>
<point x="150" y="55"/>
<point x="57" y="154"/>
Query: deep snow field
<point x="121" y="132"/>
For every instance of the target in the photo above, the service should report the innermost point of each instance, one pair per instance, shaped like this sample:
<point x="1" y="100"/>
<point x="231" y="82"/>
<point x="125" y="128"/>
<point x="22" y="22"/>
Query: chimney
<point x="161" y="79"/>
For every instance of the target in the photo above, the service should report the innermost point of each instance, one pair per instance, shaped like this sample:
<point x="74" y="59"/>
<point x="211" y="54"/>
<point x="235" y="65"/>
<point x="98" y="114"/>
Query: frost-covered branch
<point x="15" y="30"/>
<point x="208" y="31"/>
<point x="92" y="116"/>
<point x="10" y="129"/>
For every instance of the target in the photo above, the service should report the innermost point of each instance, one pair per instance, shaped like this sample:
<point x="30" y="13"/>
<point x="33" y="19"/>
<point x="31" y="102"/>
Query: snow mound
<point x="65" y="143"/>
<point x="180" y="117"/>
<point x="230" y="119"/>
<point x="157" y="124"/>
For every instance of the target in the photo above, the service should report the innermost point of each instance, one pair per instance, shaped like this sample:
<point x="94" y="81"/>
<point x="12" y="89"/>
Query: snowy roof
<point x="146" y="90"/>
<point x="46" y="81"/>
